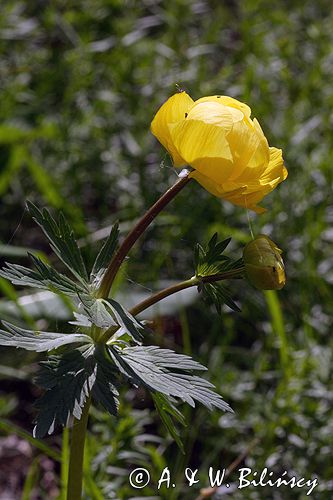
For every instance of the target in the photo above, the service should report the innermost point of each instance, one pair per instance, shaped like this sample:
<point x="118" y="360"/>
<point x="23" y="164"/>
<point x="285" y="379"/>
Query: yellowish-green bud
<point x="263" y="263"/>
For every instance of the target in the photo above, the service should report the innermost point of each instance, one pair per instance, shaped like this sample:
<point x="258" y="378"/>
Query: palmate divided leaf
<point x="93" y="369"/>
<point x="165" y="371"/>
<point x="91" y="362"/>
<point x="61" y="238"/>
<point x="39" y="341"/>
<point x="68" y="380"/>
<point x="44" y="277"/>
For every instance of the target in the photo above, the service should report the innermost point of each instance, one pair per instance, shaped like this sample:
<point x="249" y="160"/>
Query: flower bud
<point x="263" y="264"/>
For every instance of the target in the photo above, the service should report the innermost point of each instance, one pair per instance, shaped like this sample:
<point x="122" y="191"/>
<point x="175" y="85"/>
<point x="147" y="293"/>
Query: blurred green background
<point x="80" y="83"/>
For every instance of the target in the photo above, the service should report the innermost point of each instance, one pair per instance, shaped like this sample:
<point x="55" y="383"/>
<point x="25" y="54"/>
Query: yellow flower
<point x="228" y="151"/>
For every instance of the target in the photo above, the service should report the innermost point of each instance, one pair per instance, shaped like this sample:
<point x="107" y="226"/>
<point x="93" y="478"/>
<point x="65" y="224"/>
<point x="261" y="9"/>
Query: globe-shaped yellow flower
<point x="228" y="150"/>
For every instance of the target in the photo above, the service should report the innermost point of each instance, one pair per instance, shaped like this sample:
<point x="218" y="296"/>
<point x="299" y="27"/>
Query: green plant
<point x="87" y="365"/>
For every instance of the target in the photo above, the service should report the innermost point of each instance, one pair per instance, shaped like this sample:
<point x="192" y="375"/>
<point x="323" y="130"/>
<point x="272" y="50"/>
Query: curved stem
<point x="156" y="297"/>
<point x="194" y="281"/>
<point x="135" y="233"/>
<point x="75" y="473"/>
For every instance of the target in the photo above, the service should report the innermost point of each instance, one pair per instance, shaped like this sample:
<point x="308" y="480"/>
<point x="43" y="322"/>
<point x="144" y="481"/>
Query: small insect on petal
<point x="263" y="264"/>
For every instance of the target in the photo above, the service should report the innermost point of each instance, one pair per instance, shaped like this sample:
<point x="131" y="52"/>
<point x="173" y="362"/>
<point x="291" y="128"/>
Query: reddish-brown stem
<point x="195" y="281"/>
<point x="135" y="233"/>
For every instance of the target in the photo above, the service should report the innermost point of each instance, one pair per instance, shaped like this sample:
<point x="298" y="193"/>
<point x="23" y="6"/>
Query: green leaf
<point x="39" y="341"/>
<point x="68" y="380"/>
<point x="97" y="311"/>
<point x="105" y="254"/>
<point x="104" y="390"/>
<point x="160" y="370"/>
<point x="161" y="358"/>
<point x="211" y="260"/>
<point x="125" y="319"/>
<point x="81" y="320"/>
<point x="61" y="238"/>
<point x="44" y="277"/>
<point x="166" y="410"/>
<point x="218" y="295"/>
<point x="107" y="313"/>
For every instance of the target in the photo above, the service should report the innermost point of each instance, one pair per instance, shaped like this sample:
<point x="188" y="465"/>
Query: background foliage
<point x="80" y="83"/>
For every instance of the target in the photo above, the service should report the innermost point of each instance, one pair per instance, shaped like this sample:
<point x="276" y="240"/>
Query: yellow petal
<point x="275" y="172"/>
<point x="227" y="101"/>
<point x="172" y="111"/>
<point x="204" y="147"/>
<point x="247" y="200"/>
<point x="250" y="152"/>
<point x="215" y="113"/>
<point x="237" y="196"/>
<point x="207" y="183"/>
<point x="257" y="189"/>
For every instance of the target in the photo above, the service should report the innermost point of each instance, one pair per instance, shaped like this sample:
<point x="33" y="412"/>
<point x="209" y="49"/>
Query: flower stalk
<point x="194" y="281"/>
<point x="136" y="232"/>
<point x="182" y="285"/>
